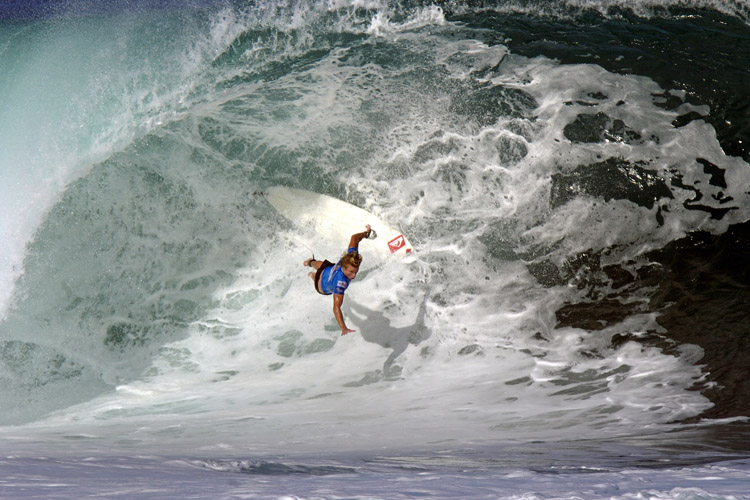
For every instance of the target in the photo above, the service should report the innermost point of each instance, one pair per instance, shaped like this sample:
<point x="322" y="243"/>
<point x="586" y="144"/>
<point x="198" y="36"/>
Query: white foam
<point x="381" y="24"/>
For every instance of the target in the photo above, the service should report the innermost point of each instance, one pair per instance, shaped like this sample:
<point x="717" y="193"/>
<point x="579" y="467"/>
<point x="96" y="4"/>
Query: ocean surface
<point x="574" y="321"/>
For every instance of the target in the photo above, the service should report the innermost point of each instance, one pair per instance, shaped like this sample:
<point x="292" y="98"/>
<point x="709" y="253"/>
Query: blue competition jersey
<point x="333" y="279"/>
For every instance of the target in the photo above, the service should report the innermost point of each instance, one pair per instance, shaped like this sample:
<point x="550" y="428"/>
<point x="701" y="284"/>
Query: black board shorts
<point x="324" y="265"/>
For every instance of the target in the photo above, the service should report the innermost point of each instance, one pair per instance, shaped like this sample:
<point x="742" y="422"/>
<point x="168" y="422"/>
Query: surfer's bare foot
<point x="308" y="262"/>
<point x="311" y="274"/>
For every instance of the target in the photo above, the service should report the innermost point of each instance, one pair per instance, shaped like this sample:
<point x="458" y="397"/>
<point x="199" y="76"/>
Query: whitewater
<point x="572" y="323"/>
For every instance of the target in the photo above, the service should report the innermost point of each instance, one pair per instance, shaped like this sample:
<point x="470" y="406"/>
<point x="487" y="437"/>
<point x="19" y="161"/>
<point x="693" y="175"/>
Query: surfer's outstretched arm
<point x="357" y="237"/>
<point x="338" y="299"/>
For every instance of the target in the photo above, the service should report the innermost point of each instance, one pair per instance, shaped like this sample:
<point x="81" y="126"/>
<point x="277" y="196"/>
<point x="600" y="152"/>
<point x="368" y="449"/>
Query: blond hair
<point x="353" y="259"/>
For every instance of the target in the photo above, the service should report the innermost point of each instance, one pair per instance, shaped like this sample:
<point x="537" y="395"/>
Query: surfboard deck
<point x="332" y="218"/>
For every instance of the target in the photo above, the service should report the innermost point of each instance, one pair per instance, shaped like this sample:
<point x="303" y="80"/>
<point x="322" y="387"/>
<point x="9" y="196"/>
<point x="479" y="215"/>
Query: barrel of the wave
<point x="335" y="220"/>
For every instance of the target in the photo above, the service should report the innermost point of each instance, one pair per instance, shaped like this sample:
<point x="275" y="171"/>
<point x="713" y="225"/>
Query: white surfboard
<point x="332" y="218"/>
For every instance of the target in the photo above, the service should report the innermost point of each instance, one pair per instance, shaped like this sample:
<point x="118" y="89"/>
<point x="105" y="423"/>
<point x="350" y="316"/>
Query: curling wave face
<point x="158" y="298"/>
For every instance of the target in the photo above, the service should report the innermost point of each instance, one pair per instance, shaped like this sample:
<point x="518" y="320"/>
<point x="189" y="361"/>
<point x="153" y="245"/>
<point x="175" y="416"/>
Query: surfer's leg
<point x="315" y="264"/>
<point x="311" y="262"/>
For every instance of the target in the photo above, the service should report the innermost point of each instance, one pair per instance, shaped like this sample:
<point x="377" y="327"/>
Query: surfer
<point x="333" y="279"/>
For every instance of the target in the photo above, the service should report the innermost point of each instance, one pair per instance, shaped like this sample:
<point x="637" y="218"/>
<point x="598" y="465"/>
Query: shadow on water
<point x="377" y="329"/>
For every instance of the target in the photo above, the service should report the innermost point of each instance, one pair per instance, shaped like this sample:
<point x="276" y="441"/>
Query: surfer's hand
<point x="344" y="331"/>
<point x="357" y="237"/>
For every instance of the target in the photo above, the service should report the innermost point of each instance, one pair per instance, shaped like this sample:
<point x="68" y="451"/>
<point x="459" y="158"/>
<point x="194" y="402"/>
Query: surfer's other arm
<point x="338" y="299"/>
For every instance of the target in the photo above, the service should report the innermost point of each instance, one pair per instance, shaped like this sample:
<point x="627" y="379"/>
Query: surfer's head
<point x="350" y="264"/>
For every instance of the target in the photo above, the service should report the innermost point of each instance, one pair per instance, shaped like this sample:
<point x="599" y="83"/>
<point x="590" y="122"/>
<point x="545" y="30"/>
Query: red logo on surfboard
<point x="397" y="243"/>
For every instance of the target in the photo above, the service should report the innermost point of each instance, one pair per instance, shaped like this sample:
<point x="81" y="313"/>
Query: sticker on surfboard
<point x="397" y="244"/>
